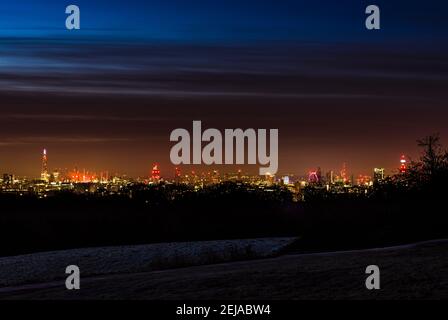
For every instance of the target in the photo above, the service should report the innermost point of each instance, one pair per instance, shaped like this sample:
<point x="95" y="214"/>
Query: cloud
<point x="16" y="141"/>
<point x="77" y="117"/>
<point x="306" y="70"/>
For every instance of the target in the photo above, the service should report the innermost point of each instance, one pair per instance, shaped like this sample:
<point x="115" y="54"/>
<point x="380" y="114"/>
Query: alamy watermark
<point x="373" y="280"/>
<point x="73" y="281"/>
<point x="233" y="151"/>
<point x="73" y="21"/>
<point x="373" y="20"/>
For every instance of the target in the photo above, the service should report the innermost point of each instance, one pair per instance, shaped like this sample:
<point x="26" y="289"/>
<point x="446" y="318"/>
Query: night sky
<point x="107" y="97"/>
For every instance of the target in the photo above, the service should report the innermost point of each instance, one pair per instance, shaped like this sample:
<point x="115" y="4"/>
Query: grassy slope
<point x="412" y="272"/>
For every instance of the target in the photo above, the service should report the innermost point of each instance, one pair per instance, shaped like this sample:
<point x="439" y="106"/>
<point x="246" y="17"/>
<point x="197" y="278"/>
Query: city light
<point x="403" y="166"/>
<point x="84" y="180"/>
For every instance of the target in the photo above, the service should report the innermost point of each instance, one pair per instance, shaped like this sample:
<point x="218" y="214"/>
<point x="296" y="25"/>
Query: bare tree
<point x="433" y="158"/>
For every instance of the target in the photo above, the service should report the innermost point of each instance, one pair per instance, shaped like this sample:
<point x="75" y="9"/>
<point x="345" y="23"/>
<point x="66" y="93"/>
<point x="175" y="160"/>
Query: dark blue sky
<point x="107" y="97"/>
<point x="227" y="20"/>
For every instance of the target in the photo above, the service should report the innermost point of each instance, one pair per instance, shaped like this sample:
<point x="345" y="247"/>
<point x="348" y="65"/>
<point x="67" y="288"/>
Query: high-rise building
<point x="313" y="177"/>
<point x="330" y="177"/>
<point x="155" y="172"/>
<point x="285" y="180"/>
<point x="378" y="175"/>
<point x="55" y="176"/>
<point x="403" y="164"/>
<point x="363" y="180"/>
<point x="104" y="176"/>
<point x="344" y="173"/>
<point x="44" y="171"/>
<point x="8" y="179"/>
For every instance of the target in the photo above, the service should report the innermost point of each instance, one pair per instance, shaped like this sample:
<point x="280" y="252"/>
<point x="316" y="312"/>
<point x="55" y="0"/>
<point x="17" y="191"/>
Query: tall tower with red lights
<point x="44" y="170"/>
<point x="403" y="164"/>
<point x="155" y="172"/>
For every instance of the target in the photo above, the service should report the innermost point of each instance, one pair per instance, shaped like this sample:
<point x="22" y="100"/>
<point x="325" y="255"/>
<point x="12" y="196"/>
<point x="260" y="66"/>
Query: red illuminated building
<point x="44" y="172"/>
<point x="155" y="173"/>
<point x="403" y="166"/>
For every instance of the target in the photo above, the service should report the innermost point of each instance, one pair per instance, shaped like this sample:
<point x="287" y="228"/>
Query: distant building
<point x="285" y="180"/>
<point x="330" y="177"/>
<point x="378" y="175"/>
<point x="55" y="176"/>
<point x="344" y="174"/>
<point x="269" y="178"/>
<point x="315" y="176"/>
<point x="44" y="176"/>
<point x="155" y="172"/>
<point x="403" y="164"/>
<point x="8" y="179"/>
<point x="364" y="180"/>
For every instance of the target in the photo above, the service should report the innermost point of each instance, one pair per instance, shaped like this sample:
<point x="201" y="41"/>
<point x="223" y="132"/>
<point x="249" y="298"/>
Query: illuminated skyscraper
<point x="313" y="177"/>
<point x="44" y="172"/>
<point x="155" y="173"/>
<point x="378" y="175"/>
<point x="55" y="176"/>
<point x="403" y="166"/>
<point x="8" y="179"/>
<point x="364" y="180"/>
<point x="344" y="173"/>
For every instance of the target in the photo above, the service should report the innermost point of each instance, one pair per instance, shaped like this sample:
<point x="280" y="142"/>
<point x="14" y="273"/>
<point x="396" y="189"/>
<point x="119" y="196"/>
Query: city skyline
<point x="171" y="170"/>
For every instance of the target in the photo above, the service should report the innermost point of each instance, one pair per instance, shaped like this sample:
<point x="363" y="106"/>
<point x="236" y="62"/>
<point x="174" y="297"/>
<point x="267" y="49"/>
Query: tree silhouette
<point x="433" y="158"/>
<point x="430" y="172"/>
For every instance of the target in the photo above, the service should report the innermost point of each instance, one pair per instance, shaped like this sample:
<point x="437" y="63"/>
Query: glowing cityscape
<point x="86" y="181"/>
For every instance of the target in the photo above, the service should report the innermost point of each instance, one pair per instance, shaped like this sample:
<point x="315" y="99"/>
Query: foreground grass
<point x="409" y="272"/>
<point x="50" y="266"/>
